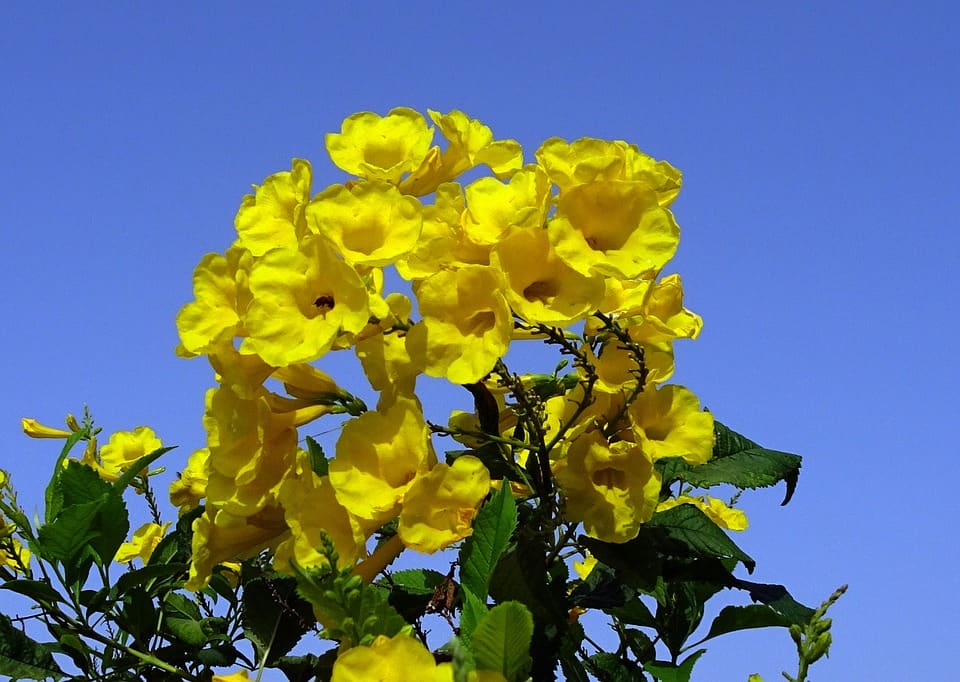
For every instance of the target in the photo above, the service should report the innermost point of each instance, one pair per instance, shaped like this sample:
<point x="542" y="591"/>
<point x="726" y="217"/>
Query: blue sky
<point x="819" y="218"/>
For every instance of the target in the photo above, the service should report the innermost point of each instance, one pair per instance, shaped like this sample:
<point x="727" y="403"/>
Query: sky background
<point x="819" y="146"/>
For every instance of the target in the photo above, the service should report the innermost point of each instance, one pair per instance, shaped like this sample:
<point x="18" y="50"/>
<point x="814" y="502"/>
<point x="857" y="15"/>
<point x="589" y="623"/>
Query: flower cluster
<point x="567" y="249"/>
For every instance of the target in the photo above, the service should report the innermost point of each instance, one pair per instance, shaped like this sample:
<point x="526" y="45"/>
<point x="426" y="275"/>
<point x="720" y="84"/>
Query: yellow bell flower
<point x="716" y="510"/>
<point x="191" y="486"/>
<point x="123" y="449"/>
<point x="466" y="326"/>
<point x="438" y="509"/>
<point x="494" y="207"/>
<point x="302" y="300"/>
<point x="221" y="297"/>
<point x="239" y="676"/>
<point x="141" y="545"/>
<point x="668" y="422"/>
<point x="35" y="429"/>
<point x="369" y="223"/>
<point x="611" y="487"/>
<point x="274" y="216"/>
<point x="381" y="147"/>
<point x="378" y="456"/>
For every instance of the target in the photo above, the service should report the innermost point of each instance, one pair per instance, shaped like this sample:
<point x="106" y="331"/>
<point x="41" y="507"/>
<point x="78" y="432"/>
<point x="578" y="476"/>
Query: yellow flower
<point x="583" y="568"/>
<point x="668" y="422"/>
<point x="611" y="487"/>
<point x="221" y="297"/>
<point x="35" y="429"/>
<point x="615" y="365"/>
<point x="395" y="659"/>
<point x="381" y="148"/>
<point x="369" y="223"/>
<point x="541" y="287"/>
<point x="303" y="299"/>
<point x="274" y="216"/>
<point x="378" y="456"/>
<point x="716" y="510"/>
<point x="494" y="207"/>
<point x="589" y="160"/>
<point x="613" y="228"/>
<point x="309" y="507"/>
<point x="219" y="536"/>
<point x="466" y="324"/>
<point x="191" y="486"/>
<point x="239" y="676"/>
<point x="141" y="545"/>
<point x="389" y="366"/>
<point x="443" y="242"/>
<point x="123" y="449"/>
<point x="13" y="555"/>
<point x="438" y="509"/>
<point x="469" y="143"/>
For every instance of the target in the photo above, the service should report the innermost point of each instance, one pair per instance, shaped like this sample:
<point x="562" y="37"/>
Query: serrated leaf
<point x="22" y="657"/>
<point x="186" y="630"/>
<point x="38" y="590"/>
<point x="734" y="618"/>
<point x="80" y="483"/>
<point x="219" y="656"/>
<point x="148" y="575"/>
<point x="318" y="460"/>
<point x="492" y="529"/>
<point x="634" y="612"/>
<point x="664" y="671"/>
<point x="53" y="495"/>
<point x="274" y="618"/>
<point x="180" y="606"/>
<point x="474" y="610"/>
<point x="612" y="668"/>
<point x="501" y="641"/>
<point x="753" y="466"/>
<point x="112" y="526"/>
<point x="72" y="530"/>
<point x="422" y="581"/>
<point x="688" y="526"/>
<point x="308" y="667"/>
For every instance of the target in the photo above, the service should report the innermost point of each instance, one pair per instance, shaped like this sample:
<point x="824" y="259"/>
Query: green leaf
<point x="664" y="671"/>
<point x="492" y="529"/>
<point x="612" y="668"/>
<point x="318" y="460"/>
<point x="569" y="654"/>
<point x="53" y="496"/>
<point x="112" y="526"/>
<point x="474" y="610"/>
<point x="274" y="618"/>
<point x="734" y="618"/>
<point x="308" y="667"/>
<point x="39" y="590"/>
<point x="22" y="657"/>
<point x="72" y="530"/>
<point x="601" y="590"/>
<point x="502" y="641"/>
<point x="187" y="630"/>
<point x="80" y="483"/>
<point x="412" y="590"/>
<point x="147" y="576"/>
<point x="777" y="598"/>
<point x="126" y="478"/>
<point x="634" y="612"/>
<point x="180" y="606"/>
<point x="688" y="530"/>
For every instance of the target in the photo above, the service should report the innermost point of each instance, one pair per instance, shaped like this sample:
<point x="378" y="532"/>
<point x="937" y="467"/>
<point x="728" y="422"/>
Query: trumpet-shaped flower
<point x="611" y="487"/>
<point x="668" y="422"/>
<point x="221" y="297"/>
<point x="141" y="545"/>
<point x="369" y="223"/>
<point x="588" y="160"/>
<point x="121" y="451"/>
<point x="613" y="228"/>
<point x="381" y="147"/>
<point x="439" y="507"/>
<point x="389" y="366"/>
<point x="494" y="207"/>
<point x="395" y="659"/>
<point x="469" y="143"/>
<point x="273" y="216"/>
<point x="303" y="299"/>
<point x="466" y="324"/>
<point x="716" y="510"/>
<point x="310" y="508"/>
<point x="191" y="486"/>
<point x="540" y="286"/>
<point x="35" y="429"/>
<point x="378" y="456"/>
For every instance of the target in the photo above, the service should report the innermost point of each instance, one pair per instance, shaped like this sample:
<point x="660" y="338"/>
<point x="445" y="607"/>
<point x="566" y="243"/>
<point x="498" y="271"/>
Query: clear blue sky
<point x="819" y="215"/>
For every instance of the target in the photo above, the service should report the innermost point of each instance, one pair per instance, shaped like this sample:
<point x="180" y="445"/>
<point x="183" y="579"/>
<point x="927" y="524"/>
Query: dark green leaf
<point x="501" y="641"/>
<point x="642" y="647"/>
<point x="777" y="598"/>
<point x="149" y="575"/>
<point x="492" y="529"/>
<point x="690" y="529"/>
<point x="308" y="667"/>
<point x="80" y="483"/>
<point x="138" y="616"/>
<point x="601" y="590"/>
<point x="569" y="653"/>
<point x="180" y="606"/>
<point x="72" y="530"/>
<point x="473" y="611"/>
<point x="318" y="460"/>
<point x="53" y="496"/>
<point x="112" y="526"/>
<point x="38" y="590"/>
<point x="219" y="656"/>
<point x="274" y="616"/>
<point x="612" y="668"/>
<point x="634" y="612"/>
<point x="412" y="591"/>
<point x="186" y="630"/>
<point x="752" y="466"/>
<point x="665" y="671"/>
<point x="175" y="547"/>
<point x="734" y="618"/>
<point x="22" y="657"/>
<point x="134" y="470"/>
